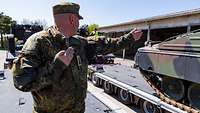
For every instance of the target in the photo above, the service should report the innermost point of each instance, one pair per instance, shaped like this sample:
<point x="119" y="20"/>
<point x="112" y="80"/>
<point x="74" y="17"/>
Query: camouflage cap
<point x="67" y="7"/>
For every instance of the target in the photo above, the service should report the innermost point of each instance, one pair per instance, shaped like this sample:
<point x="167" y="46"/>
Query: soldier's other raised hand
<point x="136" y="34"/>
<point x="65" y="55"/>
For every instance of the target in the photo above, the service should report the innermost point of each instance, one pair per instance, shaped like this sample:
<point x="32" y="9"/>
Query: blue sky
<point x="101" y="12"/>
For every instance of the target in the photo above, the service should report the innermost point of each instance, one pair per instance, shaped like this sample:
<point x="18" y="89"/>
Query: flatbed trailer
<point x="130" y="87"/>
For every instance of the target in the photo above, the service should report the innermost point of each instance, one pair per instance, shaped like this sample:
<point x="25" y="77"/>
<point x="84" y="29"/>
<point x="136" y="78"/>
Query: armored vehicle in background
<point x="172" y="68"/>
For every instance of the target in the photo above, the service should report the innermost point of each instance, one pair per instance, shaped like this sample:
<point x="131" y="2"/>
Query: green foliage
<point x="5" y="23"/>
<point x="92" y="27"/>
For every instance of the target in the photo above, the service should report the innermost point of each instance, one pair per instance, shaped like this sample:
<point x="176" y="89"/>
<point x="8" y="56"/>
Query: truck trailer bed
<point x="125" y="74"/>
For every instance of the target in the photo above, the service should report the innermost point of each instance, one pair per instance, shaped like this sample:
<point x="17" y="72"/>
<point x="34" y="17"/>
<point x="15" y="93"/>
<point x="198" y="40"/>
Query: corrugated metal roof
<point x="160" y="17"/>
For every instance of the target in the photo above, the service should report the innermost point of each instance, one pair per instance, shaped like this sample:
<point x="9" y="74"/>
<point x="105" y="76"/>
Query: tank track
<point x="166" y="99"/>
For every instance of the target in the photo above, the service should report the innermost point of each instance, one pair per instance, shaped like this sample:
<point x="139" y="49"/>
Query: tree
<point x="5" y="26"/>
<point x="92" y="27"/>
<point x="5" y="23"/>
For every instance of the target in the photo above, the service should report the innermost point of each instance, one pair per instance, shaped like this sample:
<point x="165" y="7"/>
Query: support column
<point x="148" y="32"/>
<point x="1" y="40"/>
<point x="188" y="28"/>
<point x="124" y="51"/>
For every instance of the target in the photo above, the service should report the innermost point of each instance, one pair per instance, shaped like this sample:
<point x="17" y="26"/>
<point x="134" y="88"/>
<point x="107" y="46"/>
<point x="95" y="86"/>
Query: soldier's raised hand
<point x="66" y="55"/>
<point x="136" y="34"/>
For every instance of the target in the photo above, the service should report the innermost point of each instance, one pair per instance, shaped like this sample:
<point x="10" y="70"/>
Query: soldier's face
<point x="67" y="23"/>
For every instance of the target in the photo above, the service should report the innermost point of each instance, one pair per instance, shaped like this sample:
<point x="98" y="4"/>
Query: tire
<point x="107" y="87"/>
<point x="124" y="96"/>
<point x="95" y="80"/>
<point x="147" y="107"/>
<point x="173" y="88"/>
<point x="193" y="95"/>
<point x="2" y="76"/>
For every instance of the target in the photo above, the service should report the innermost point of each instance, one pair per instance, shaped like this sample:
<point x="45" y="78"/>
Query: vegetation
<point x="5" y="26"/>
<point x="5" y="23"/>
<point x="92" y="27"/>
<point x="85" y="30"/>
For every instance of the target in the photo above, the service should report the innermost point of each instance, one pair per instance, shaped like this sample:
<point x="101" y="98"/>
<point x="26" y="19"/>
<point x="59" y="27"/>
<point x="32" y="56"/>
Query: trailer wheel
<point x="95" y="80"/>
<point x="2" y="76"/>
<point x="107" y="87"/>
<point x="147" y="107"/>
<point x="124" y="96"/>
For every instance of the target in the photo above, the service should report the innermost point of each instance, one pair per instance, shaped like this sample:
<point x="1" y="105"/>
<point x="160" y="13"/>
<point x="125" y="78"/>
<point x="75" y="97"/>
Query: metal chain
<point x="168" y="100"/>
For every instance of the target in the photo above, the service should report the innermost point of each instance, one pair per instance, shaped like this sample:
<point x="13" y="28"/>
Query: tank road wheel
<point x="107" y="87"/>
<point x="194" y="95"/>
<point x="95" y="80"/>
<point x="173" y="88"/>
<point x="147" y="107"/>
<point x="124" y="96"/>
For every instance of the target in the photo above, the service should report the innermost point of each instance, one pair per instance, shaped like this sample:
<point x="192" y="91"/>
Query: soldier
<point x="53" y="63"/>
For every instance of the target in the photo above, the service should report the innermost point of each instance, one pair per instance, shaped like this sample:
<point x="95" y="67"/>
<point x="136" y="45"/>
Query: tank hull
<point x="173" y="66"/>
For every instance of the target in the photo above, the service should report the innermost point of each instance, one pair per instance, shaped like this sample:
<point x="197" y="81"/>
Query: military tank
<point x="172" y="68"/>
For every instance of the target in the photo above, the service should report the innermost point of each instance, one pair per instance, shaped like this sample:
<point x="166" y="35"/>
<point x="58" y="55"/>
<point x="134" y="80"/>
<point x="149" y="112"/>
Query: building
<point x="157" y="28"/>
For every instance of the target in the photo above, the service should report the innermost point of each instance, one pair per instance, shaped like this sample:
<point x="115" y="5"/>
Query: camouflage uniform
<point x="55" y="87"/>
